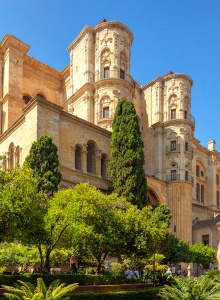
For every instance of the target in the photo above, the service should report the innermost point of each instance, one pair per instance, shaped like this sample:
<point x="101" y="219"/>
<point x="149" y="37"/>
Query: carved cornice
<point x="110" y="82"/>
<point x="201" y="149"/>
<point x="165" y="79"/>
<point x="86" y="29"/>
<point x="40" y="67"/>
<point x="10" y="41"/>
<point x="112" y="25"/>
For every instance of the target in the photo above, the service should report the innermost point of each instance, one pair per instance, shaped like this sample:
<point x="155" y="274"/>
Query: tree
<point x="96" y="222"/>
<point x="176" y="250"/>
<point x="14" y="255"/>
<point x="127" y="157"/>
<point x="201" y="254"/>
<point x="179" y="251"/>
<point x="43" y="159"/>
<point x="22" y="206"/>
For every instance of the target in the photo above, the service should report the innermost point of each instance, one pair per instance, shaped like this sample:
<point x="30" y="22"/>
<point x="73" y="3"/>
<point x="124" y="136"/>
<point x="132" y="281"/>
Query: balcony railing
<point x="113" y="74"/>
<point x="173" y="148"/>
<point x="177" y="177"/>
<point x="178" y="116"/>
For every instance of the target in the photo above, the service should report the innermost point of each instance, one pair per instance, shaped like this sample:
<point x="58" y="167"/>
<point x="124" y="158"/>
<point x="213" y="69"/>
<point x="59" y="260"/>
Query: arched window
<point x="78" y="157"/>
<point x="173" y="175"/>
<point x="202" y="193"/>
<point x="217" y="198"/>
<point x="197" y="171"/>
<point x="26" y="98"/>
<point x="17" y="156"/>
<point x="197" y="192"/>
<point x="104" y="165"/>
<point x="105" y="107"/>
<point x="173" y="113"/>
<point x="91" y="157"/>
<point x="106" y="61"/>
<point x="105" y="112"/>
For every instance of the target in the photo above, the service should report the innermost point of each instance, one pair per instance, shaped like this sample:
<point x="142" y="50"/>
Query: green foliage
<point x="127" y="158"/>
<point x="43" y="159"/>
<point x="60" y="257"/>
<point x="202" y="254"/>
<point x="28" y="291"/>
<point x="12" y="254"/>
<point x="179" y="251"/>
<point x="22" y="207"/>
<point x="146" y="231"/>
<point x="81" y="279"/>
<point x="117" y="268"/>
<point x="202" y="288"/>
<point x="128" y="295"/>
<point x="95" y="221"/>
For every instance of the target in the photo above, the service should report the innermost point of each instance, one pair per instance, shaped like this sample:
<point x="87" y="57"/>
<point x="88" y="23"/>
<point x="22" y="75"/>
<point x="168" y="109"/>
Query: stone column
<point x="98" y="162"/>
<point x="84" y="158"/>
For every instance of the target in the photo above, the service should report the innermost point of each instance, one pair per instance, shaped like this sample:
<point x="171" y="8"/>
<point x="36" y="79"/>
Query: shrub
<point x="81" y="279"/>
<point x="28" y="291"/>
<point x="131" y="295"/>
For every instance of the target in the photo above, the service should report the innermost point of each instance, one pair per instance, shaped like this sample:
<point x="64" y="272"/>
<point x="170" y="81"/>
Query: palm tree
<point x="28" y="291"/>
<point x="202" y="288"/>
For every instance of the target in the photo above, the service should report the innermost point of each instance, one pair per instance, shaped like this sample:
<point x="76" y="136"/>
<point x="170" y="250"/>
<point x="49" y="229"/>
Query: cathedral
<point x="76" y="108"/>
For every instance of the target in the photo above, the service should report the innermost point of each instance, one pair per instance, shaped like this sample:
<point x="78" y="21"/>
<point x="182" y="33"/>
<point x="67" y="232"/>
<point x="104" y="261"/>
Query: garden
<point x="42" y="226"/>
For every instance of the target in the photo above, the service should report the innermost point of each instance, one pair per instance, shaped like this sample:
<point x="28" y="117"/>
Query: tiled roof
<point x="209" y="222"/>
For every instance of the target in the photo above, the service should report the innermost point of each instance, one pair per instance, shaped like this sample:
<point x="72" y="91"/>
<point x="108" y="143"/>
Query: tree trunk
<point x="99" y="261"/>
<point x="47" y="259"/>
<point x="41" y="258"/>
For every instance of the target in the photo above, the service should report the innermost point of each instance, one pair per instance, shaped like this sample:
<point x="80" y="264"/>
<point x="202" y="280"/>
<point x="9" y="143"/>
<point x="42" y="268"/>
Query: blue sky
<point x="182" y="36"/>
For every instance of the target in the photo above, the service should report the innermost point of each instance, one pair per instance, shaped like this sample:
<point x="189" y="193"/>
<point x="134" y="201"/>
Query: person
<point x="73" y="265"/>
<point x="168" y="273"/>
<point x="179" y="272"/>
<point x="184" y="273"/>
<point x="129" y="273"/>
<point x="136" y="273"/>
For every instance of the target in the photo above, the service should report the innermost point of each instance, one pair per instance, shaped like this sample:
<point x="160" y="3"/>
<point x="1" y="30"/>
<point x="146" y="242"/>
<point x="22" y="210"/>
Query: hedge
<point x="66" y="278"/>
<point x="129" y="295"/>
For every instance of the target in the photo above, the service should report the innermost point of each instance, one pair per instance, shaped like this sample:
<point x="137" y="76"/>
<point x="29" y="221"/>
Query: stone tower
<point x="170" y="153"/>
<point x="100" y="72"/>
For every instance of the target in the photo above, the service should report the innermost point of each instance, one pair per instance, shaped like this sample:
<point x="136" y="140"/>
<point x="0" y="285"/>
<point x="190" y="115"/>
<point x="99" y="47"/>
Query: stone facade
<point x="76" y="108"/>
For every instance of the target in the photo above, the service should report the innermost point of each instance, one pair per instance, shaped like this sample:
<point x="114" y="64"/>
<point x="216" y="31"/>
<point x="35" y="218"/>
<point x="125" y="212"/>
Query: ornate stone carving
<point x="105" y="40"/>
<point x="106" y="56"/>
<point x="116" y="92"/>
<point x="172" y="86"/>
<point x="105" y="101"/>
<point x="173" y="100"/>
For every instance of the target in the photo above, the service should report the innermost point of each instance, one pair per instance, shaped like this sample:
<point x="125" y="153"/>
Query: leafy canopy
<point x="127" y="157"/>
<point x="22" y="206"/>
<point x="43" y="159"/>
